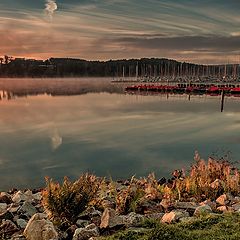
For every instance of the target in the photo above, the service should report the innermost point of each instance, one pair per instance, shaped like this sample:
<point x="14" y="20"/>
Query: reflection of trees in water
<point x="64" y="89"/>
<point x="5" y="95"/>
<point x="182" y="96"/>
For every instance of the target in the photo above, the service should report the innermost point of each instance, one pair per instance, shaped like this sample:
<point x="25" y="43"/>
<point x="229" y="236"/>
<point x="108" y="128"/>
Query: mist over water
<point x="108" y="133"/>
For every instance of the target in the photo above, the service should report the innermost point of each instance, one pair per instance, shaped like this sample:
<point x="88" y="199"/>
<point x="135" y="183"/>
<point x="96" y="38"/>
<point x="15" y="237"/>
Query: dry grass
<point x="65" y="202"/>
<point x="138" y="191"/>
<point x="207" y="179"/>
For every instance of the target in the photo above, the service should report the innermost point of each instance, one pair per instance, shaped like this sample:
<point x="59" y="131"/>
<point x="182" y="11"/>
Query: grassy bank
<point x="212" y="227"/>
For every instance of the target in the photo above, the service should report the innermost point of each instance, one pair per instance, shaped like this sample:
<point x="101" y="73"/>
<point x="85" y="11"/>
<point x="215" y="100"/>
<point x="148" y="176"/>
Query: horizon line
<point x="120" y="59"/>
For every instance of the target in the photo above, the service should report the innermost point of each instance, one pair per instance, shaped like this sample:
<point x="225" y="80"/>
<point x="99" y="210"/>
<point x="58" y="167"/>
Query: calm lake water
<point x="110" y="134"/>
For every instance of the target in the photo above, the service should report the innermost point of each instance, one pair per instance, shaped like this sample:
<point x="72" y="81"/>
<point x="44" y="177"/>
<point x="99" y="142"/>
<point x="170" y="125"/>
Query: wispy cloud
<point x="105" y="29"/>
<point x="50" y="7"/>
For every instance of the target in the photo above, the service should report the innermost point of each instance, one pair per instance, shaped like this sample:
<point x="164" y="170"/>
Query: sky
<point x="200" y="31"/>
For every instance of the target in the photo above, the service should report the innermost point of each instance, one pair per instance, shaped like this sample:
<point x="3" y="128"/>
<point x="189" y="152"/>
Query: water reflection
<point x="5" y="95"/>
<point x="110" y="134"/>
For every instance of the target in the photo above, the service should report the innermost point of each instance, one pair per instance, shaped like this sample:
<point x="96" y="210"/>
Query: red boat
<point x="213" y="89"/>
<point x="235" y="90"/>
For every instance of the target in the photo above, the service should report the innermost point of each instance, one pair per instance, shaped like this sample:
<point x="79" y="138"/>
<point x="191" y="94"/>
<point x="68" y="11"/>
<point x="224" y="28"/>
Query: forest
<point x="69" y="67"/>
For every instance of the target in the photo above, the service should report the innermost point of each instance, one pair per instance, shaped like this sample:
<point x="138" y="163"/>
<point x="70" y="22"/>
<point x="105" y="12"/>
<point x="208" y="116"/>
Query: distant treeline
<point x="68" y="67"/>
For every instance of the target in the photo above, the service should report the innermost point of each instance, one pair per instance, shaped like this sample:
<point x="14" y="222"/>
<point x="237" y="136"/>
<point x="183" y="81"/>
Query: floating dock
<point x="201" y="88"/>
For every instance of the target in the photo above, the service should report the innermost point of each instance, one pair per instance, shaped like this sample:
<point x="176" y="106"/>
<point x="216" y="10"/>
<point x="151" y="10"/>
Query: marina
<point x="194" y="88"/>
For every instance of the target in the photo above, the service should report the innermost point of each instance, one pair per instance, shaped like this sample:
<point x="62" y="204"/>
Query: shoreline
<point x="95" y="208"/>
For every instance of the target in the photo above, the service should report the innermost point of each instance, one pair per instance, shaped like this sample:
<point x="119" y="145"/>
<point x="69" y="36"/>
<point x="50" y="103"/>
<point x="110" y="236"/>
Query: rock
<point x="147" y="206"/>
<point x="223" y="209"/>
<point x="29" y="193"/>
<point x="6" y="215"/>
<point x="202" y="210"/>
<point x="166" y="203"/>
<point x="155" y="216"/>
<point x="133" y="219"/>
<point x="39" y="208"/>
<point x="186" y="205"/>
<point x="236" y="207"/>
<point x="3" y="207"/>
<point x="13" y="208"/>
<point x="89" y="213"/>
<point x="5" y="198"/>
<point x="20" y="196"/>
<point x="224" y="199"/>
<point x="236" y="200"/>
<point x="38" y="228"/>
<point x="82" y="223"/>
<point x="7" y="229"/>
<point x="110" y="219"/>
<point x="37" y="196"/>
<point x="21" y="223"/>
<point x="28" y="209"/>
<point x="211" y="204"/>
<point x="174" y="216"/>
<point x="86" y="233"/>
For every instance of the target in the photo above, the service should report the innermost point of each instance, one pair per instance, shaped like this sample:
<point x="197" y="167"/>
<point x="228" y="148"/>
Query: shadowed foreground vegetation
<point x="204" y="183"/>
<point x="212" y="227"/>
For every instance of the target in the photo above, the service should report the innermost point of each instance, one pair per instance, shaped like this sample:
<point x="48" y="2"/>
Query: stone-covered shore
<point x="22" y="216"/>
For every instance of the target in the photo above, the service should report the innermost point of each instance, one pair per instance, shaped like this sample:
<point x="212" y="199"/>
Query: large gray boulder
<point x="37" y="196"/>
<point x="86" y="233"/>
<point x="27" y="209"/>
<point x="133" y="219"/>
<point x="186" y="205"/>
<point x="39" y="228"/>
<point x="202" y="210"/>
<point x="21" y="223"/>
<point x="22" y="196"/>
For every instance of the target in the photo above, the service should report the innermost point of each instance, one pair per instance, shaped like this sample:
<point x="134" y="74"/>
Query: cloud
<point x="193" y="43"/>
<point x="50" y="7"/>
<point x="104" y="29"/>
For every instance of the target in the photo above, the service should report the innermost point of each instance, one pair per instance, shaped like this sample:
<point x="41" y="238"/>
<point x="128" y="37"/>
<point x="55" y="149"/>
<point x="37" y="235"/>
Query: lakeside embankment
<point x="204" y="204"/>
